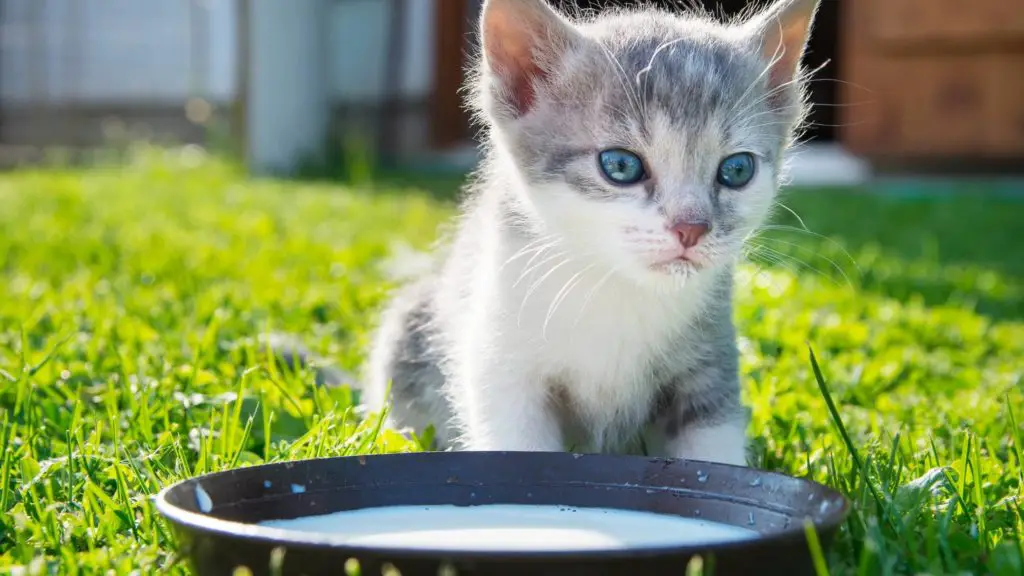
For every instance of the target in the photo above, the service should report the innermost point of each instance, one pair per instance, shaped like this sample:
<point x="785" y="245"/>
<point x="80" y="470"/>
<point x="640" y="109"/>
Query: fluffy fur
<point x="564" y="313"/>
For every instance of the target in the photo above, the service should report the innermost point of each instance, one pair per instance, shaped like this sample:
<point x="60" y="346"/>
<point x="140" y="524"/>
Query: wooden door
<point x="454" y="40"/>
<point x="932" y="79"/>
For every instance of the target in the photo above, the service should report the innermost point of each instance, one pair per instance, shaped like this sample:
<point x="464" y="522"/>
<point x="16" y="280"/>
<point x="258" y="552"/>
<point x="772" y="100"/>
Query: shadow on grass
<point x="961" y="249"/>
<point x="356" y="164"/>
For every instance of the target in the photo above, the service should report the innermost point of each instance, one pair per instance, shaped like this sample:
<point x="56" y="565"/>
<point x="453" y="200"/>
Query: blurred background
<point x="902" y="86"/>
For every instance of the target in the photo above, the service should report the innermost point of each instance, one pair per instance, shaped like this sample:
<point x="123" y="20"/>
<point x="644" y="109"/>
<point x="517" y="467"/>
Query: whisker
<point x="795" y="215"/>
<point x="561" y="296"/>
<point x="776" y="57"/>
<point x="527" y="271"/>
<point x="781" y="258"/>
<point x="533" y="287"/>
<point x="800" y="77"/>
<point x="591" y="293"/>
<point x="831" y="241"/>
<point x="799" y="246"/>
<point x="532" y="247"/>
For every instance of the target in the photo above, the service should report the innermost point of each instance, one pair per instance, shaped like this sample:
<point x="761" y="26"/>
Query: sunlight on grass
<point x="130" y="301"/>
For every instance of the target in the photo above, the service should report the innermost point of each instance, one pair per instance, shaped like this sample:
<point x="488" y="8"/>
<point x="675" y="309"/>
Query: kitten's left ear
<point x="522" y="40"/>
<point x="782" y="32"/>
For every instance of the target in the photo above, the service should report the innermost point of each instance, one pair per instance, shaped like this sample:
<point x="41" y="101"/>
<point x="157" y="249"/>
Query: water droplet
<point x="702" y="476"/>
<point x="298" y="488"/>
<point x="267" y="483"/>
<point x="696" y="512"/>
<point x="755" y="482"/>
<point x="750" y="519"/>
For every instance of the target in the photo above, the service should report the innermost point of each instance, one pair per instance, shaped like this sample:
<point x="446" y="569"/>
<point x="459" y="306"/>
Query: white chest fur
<point x="595" y="333"/>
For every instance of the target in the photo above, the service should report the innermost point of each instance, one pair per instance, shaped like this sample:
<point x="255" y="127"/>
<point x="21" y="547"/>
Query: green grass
<point x="129" y="300"/>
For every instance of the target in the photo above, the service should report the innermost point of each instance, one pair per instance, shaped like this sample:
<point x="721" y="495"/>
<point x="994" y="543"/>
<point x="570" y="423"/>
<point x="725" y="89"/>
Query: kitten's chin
<point x="668" y="276"/>
<point x="678" y="267"/>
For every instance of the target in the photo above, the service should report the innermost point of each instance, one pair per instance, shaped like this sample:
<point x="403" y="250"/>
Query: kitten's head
<point x="647" y="140"/>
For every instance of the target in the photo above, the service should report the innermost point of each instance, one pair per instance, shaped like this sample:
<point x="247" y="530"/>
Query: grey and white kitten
<point x="584" y="300"/>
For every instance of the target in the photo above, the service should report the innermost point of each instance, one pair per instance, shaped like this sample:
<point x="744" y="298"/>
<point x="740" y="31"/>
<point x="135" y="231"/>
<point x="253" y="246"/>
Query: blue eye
<point x="737" y="171"/>
<point x="621" y="167"/>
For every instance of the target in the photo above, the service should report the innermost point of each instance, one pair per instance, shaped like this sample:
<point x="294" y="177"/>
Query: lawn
<point x="130" y="299"/>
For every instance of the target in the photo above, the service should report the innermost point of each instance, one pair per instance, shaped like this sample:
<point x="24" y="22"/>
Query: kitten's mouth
<point x="682" y="262"/>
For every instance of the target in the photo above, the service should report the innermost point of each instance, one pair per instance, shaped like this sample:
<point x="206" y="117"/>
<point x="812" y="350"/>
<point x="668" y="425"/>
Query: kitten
<point x="584" y="300"/>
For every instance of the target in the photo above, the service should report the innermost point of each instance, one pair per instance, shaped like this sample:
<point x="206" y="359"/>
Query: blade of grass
<point x="979" y="496"/>
<point x="5" y="467"/>
<point x="31" y="371"/>
<point x="246" y="432"/>
<point x="854" y="454"/>
<point x="1017" y="448"/>
<point x="965" y="460"/>
<point x="817" y="555"/>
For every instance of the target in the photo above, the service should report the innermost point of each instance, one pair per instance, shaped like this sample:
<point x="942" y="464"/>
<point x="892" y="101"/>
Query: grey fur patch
<point x="707" y="392"/>
<point x="592" y="187"/>
<point x="697" y="410"/>
<point x="406" y="365"/>
<point x="558" y="158"/>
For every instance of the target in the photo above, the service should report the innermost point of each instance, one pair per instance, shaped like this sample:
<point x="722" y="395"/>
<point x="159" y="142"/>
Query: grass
<point x="129" y="300"/>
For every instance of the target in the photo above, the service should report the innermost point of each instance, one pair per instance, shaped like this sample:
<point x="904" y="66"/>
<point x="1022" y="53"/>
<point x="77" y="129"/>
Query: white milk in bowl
<point x="512" y="527"/>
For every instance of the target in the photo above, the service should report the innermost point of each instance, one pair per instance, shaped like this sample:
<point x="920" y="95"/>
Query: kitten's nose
<point x="690" y="232"/>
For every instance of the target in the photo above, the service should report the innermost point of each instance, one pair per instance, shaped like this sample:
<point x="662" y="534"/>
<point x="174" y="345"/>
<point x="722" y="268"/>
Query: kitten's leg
<point x="709" y="424"/>
<point x="504" y="409"/>
<point x="403" y="369"/>
<point x="724" y="442"/>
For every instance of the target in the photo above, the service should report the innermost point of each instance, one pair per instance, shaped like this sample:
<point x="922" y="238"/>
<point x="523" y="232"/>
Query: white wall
<point x="139" y="50"/>
<point x="308" y="54"/>
<point x="305" y="56"/>
<point x="114" y="50"/>
<point x="289" y="101"/>
<point x="357" y="49"/>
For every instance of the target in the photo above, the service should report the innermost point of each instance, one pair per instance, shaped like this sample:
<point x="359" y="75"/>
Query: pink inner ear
<point x="515" y="65"/>
<point x="786" y="67"/>
<point x="511" y="42"/>
<point x="522" y="92"/>
<point x="782" y="72"/>
<point x="787" y="32"/>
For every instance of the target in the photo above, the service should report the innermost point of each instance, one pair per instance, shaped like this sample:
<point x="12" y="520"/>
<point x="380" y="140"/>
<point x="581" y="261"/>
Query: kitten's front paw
<point x="722" y="443"/>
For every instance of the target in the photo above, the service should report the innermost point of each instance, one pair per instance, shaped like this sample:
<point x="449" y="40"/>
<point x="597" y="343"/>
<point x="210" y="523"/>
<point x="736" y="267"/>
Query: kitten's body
<point x="601" y="366"/>
<point x="568" y="310"/>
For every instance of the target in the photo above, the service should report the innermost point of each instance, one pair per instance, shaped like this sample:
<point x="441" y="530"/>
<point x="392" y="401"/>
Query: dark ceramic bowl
<point x="216" y="516"/>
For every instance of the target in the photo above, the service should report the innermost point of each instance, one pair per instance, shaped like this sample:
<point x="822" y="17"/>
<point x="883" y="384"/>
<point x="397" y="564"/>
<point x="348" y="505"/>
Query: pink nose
<point x="690" y="233"/>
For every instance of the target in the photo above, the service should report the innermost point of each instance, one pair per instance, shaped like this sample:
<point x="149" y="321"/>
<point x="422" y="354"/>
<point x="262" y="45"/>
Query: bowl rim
<point x="272" y="537"/>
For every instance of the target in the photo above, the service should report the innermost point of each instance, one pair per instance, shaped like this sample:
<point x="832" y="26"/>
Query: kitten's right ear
<point x="782" y="32"/>
<point x="522" y="40"/>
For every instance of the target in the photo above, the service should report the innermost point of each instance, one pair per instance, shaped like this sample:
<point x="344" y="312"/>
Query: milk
<point x="510" y="527"/>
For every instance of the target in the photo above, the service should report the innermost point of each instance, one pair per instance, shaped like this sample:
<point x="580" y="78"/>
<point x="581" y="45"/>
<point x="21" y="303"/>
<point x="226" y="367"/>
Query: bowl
<point x="217" y="517"/>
